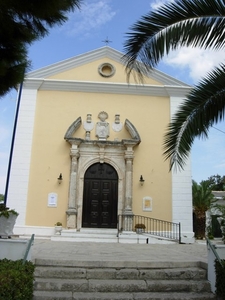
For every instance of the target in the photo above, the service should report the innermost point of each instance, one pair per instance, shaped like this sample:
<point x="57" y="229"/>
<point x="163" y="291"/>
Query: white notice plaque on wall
<point x="147" y="204"/>
<point x="52" y="200"/>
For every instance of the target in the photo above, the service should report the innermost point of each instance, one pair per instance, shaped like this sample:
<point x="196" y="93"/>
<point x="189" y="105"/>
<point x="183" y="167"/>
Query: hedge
<point x="16" y="280"/>
<point x="220" y="279"/>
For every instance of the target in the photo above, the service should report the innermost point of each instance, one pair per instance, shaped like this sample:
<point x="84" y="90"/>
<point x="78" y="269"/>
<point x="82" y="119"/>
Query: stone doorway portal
<point x="101" y="177"/>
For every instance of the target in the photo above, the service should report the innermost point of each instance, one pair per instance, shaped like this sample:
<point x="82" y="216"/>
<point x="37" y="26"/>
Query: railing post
<point x="28" y="248"/>
<point x="179" y="226"/>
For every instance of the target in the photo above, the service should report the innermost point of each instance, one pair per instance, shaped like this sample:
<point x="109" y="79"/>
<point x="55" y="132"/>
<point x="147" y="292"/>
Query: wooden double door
<point x="100" y="197"/>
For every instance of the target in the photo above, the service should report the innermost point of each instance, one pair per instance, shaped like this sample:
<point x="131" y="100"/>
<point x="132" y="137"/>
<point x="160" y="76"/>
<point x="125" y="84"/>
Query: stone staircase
<point x="114" y="280"/>
<point x="101" y="235"/>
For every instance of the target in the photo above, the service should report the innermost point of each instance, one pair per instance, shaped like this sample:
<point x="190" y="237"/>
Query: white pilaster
<point x="182" y="191"/>
<point x="20" y="167"/>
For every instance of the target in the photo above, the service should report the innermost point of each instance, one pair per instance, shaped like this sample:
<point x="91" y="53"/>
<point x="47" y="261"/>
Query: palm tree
<point x="23" y="22"/>
<point x="201" y="199"/>
<point x="194" y="23"/>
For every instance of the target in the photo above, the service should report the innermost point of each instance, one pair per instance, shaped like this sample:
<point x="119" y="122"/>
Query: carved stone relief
<point x="117" y="125"/>
<point x="102" y="128"/>
<point x="88" y="126"/>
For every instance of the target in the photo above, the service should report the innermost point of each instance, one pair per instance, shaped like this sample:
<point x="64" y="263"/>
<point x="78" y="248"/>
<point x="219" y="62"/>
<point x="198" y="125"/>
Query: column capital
<point x="74" y="153"/>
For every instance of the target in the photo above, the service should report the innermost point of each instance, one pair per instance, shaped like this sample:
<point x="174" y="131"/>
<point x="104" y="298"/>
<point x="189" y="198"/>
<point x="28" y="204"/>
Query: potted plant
<point x="140" y="228"/>
<point x="7" y="221"/>
<point x="58" y="228"/>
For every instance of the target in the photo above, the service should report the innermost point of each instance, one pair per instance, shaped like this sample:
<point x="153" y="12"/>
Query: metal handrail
<point x="28" y="248"/>
<point x="214" y="251"/>
<point x="156" y="227"/>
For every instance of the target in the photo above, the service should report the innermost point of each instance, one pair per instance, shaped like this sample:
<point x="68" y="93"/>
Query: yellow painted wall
<point x="90" y="73"/>
<point x="56" y="111"/>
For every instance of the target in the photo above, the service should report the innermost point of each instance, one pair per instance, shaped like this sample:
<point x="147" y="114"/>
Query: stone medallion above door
<point x="85" y="152"/>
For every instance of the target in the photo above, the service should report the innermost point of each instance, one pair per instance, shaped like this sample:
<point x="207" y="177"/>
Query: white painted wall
<point x="20" y="167"/>
<point x="182" y="190"/>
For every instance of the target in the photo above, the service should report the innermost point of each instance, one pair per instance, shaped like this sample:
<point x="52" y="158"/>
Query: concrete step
<point x="80" y="238"/>
<point x="87" y="234"/>
<point x="115" y="273"/>
<point x="118" y="264"/>
<point x="103" y="235"/>
<point x="98" y="231"/>
<point x="114" y="280"/>
<point x="46" y="295"/>
<point x="117" y="285"/>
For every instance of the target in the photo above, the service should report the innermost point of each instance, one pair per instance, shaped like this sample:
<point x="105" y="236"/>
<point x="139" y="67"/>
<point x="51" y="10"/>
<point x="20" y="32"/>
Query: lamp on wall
<point x="60" y="178"/>
<point x="142" y="180"/>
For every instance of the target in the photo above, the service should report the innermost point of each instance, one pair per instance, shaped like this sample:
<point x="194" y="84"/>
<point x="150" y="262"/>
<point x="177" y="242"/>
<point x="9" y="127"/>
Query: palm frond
<point x="204" y="106"/>
<point x="178" y="23"/>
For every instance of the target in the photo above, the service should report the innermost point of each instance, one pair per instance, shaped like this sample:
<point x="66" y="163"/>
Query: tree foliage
<point x="194" y="23"/>
<point x="1" y="197"/>
<point x="201" y="197"/>
<point x="21" y="23"/>
<point x="216" y="182"/>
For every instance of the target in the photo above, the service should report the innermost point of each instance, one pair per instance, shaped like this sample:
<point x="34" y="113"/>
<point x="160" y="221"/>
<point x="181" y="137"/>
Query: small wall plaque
<point x="147" y="204"/>
<point x="52" y="200"/>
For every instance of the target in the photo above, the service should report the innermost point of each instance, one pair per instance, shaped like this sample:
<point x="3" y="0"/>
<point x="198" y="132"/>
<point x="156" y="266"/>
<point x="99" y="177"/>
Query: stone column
<point x="128" y="219"/>
<point x="72" y="209"/>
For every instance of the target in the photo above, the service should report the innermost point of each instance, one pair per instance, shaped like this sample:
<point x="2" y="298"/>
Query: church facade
<point x="88" y="148"/>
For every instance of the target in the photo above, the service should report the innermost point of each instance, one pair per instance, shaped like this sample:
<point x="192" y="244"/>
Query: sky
<point x="87" y="30"/>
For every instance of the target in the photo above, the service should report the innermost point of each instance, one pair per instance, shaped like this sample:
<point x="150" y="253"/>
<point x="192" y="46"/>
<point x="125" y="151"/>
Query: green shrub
<point x="140" y="226"/>
<point x="16" y="280"/>
<point x="220" y="279"/>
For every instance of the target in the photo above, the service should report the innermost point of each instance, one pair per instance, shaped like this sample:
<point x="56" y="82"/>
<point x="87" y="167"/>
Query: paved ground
<point x="86" y="251"/>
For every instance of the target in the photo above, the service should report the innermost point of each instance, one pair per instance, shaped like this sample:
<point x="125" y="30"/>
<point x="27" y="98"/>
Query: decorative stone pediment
<point x="102" y="130"/>
<point x="73" y="128"/>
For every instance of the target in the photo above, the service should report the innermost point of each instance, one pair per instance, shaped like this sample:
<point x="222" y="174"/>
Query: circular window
<point x="106" y="70"/>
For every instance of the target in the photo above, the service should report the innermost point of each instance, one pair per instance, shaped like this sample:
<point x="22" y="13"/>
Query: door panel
<point x="100" y="197"/>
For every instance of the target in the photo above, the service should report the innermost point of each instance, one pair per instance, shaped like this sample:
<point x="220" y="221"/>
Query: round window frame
<point x="102" y="66"/>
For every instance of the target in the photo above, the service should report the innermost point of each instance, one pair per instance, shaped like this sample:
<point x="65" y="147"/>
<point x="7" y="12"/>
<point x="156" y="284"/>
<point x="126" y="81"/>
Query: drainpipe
<point x="12" y="143"/>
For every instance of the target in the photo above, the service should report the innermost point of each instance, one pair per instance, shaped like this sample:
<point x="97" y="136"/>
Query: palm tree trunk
<point x="199" y="226"/>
